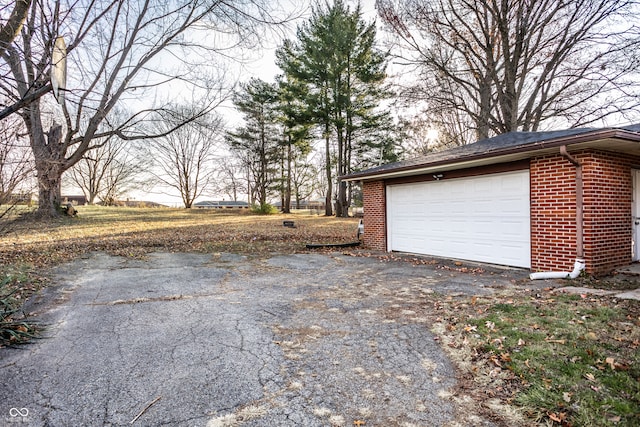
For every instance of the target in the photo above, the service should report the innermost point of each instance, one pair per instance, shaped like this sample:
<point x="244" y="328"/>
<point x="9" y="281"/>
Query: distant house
<point x="222" y="204"/>
<point x="537" y="200"/>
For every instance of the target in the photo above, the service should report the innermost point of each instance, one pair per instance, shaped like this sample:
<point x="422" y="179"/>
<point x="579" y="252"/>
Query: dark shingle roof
<point x="486" y="147"/>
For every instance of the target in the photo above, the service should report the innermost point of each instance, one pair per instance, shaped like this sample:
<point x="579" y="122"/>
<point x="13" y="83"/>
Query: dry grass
<point x="136" y="231"/>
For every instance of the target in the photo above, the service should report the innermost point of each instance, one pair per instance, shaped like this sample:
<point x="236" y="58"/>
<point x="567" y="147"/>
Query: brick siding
<point x="607" y="192"/>
<point x="553" y="213"/>
<point x="375" y="211"/>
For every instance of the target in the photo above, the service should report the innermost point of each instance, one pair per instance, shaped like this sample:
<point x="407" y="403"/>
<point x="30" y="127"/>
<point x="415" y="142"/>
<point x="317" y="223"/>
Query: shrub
<point x="12" y="331"/>
<point x="264" y="209"/>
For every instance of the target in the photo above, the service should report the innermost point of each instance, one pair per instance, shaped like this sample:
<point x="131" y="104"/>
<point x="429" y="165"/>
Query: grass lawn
<point x="568" y="360"/>
<point x="532" y="356"/>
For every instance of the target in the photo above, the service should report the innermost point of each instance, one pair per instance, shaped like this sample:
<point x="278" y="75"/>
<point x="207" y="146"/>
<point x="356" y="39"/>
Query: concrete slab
<point x="632" y="269"/>
<point x="221" y="340"/>
<point x="582" y="290"/>
<point x="633" y="294"/>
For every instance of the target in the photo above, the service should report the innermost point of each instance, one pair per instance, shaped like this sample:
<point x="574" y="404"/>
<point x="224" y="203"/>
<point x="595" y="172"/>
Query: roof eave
<point x="497" y="156"/>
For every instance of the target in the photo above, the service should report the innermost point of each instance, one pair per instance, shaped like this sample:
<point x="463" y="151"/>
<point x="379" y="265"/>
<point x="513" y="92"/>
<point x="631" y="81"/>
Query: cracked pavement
<point x="226" y="340"/>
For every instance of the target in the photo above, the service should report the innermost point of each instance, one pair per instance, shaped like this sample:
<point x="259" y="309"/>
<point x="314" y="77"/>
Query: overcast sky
<point x="262" y="65"/>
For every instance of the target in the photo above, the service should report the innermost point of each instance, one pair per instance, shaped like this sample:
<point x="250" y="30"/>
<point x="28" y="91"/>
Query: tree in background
<point x="296" y="126"/>
<point x="304" y="181"/>
<point x="184" y="158"/>
<point x="230" y="179"/>
<point x="518" y="65"/>
<point x="335" y="57"/>
<point x="110" y="171"/>
<point x="379" y="143"/>
<point x="258" y="142"/>
<point x="117" y="51"/>
<point x="16" y="163"/>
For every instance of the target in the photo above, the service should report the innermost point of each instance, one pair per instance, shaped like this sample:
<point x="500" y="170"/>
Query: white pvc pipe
<point x="549" y="275"/>
<point x="578" y="266"/>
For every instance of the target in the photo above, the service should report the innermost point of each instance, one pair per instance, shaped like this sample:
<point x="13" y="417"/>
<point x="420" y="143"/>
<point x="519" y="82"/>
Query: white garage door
<point x="483" y="218"/>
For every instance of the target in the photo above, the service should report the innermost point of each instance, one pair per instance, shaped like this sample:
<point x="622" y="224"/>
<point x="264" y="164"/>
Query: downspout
<point x="579" y="265"/>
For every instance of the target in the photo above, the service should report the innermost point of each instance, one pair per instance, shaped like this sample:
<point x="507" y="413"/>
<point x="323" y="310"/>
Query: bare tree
<point x="127" y="173"/>
<point x="184" y="159"/>
<point x="118" y="51"/>
<point x="11" y="26"/>
<point x="109" y="171"/>
<point x="16" y="164"/>
<point x="230" y="178"/>
<point x="510" y="65"/>
<point x="304" y="181"/>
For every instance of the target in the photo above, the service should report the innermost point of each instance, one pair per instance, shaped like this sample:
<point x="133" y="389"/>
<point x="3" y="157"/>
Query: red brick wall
<point x="375" y="211"/>
<point x="608" y="187"/>
<point x="607" y="190"/>
<point x="553" y="214"/>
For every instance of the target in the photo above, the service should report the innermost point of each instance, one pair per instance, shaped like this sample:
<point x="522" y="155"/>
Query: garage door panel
<point x="482" y="218"/>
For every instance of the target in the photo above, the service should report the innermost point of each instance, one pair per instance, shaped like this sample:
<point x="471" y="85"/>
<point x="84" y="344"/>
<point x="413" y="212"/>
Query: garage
<point x="481" y="218"/>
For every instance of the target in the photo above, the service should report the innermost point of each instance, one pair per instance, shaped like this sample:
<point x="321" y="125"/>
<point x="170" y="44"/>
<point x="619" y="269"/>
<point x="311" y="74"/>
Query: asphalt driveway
<point x="225" y="340"/>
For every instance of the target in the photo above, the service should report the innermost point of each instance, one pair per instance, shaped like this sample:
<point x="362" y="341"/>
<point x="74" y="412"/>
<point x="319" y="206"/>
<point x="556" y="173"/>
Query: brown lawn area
<point x="133" y="232"/>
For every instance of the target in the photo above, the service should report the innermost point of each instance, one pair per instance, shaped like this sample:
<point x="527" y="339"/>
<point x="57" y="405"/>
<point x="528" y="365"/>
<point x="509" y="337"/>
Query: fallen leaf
<point x="566" y="396"/>
<point x="521" y="342"/>
<point x="559" y="418"/>
<point x="590" y="377"/>
<point x="495" y="361"/>
<point x="490" y="325"/>
<point x="611" y="362"/>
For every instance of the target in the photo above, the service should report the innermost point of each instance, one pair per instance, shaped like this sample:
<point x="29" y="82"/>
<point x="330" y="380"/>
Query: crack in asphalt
<point x="225" y="340"/>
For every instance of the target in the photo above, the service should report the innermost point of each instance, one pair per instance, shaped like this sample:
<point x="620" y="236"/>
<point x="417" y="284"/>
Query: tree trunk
<point x="49" y="161"/>
<point x="49" y="196"/>
<point x="340" y="200"/>
<point x="287" y="193"/>
<point x="328" y="209"/>
<point x="342" y="208"/>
